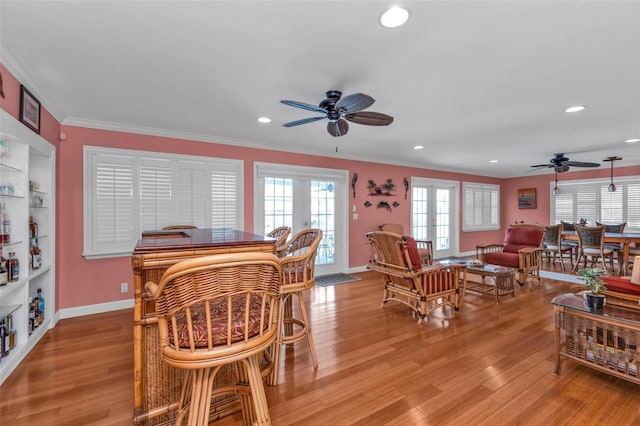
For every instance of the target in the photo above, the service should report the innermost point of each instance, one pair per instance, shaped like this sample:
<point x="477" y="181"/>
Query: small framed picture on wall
<point x="29" y="110"/>
<point x="527" y="198"/>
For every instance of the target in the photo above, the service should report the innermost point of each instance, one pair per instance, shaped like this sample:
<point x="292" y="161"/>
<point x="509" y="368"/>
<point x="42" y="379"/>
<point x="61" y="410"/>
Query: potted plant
<point x="595" y="299"/>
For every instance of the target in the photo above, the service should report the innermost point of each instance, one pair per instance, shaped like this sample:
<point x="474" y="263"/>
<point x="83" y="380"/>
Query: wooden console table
<point x="606" y="340"/>
<point x="156" y="385"/>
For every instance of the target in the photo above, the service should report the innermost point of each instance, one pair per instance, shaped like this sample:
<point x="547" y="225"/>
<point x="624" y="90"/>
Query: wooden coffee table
<point x="494" y="280"/>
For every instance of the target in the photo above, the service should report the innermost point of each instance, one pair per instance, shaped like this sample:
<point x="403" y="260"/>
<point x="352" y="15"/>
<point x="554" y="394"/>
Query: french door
<point x="434" y="209"/>
<point x="301" y="198"/>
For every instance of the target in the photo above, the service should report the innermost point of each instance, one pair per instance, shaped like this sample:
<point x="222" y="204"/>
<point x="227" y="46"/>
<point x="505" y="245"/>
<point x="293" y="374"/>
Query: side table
<point x="607" y="340"/>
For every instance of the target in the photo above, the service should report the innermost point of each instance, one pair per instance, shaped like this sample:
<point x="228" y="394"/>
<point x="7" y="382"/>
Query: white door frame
<point x="340" y="177"/>
<point x="454" y="186"/>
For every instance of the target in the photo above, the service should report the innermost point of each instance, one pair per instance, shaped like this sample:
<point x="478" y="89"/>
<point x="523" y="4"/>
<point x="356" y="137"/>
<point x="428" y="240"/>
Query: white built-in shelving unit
<point x="30" y="159"/>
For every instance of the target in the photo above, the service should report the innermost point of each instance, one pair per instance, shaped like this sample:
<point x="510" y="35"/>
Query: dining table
<point x="625" y="239"/>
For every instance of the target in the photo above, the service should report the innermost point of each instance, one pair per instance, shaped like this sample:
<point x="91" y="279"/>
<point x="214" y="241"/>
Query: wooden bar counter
<point x="157" y="386"/>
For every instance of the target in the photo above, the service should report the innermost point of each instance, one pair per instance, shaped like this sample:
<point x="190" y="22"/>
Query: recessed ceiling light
<point x="418" y="147"/>
<point x="632" y="140"/>
<point x="264" y="120"/>
<point x="493" y="161"/>
<point x="394" y="17"/>
<point x="575" y="108"/>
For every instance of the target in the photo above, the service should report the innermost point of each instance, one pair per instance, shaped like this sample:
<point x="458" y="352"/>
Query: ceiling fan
<point x="561" y="164"/>
<point x="339" y="110"/>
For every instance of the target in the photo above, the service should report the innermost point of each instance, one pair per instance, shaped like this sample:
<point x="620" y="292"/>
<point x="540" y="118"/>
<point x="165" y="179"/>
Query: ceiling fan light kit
<point x="339" y="111"/>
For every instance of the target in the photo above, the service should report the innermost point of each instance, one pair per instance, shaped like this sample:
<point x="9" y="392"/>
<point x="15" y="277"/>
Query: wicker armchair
<point x="298" y="272"/>
<point x="521" y="250"/>
<point x="407" y="281"/>
<point x="425" y="247"/>
<point x="281" y="233"/>
<point x="214" y="311"/>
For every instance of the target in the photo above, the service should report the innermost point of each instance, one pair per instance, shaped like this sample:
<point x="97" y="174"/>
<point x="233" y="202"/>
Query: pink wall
<point x="83" y="282"/>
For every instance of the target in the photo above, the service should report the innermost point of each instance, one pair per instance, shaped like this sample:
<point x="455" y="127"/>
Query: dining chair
<point x="591" y="244"/>
<point x="554" y="245"/>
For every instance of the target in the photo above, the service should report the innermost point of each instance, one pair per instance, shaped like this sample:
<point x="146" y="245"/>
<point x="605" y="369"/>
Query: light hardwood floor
<point x="487" y="364"/>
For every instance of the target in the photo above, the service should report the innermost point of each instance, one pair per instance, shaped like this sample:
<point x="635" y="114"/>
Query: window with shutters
<point x="481" y="207"/>
<point x="591" y="200"/>
<point x="128" y="192"/>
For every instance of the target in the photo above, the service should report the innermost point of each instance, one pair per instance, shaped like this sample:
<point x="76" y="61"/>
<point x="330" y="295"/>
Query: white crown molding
<point x="8" y="59"/>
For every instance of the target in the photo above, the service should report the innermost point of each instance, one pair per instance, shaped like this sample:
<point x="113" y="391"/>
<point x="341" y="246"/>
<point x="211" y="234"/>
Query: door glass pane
<point x="323" y="217"/>
<point x="420" y="213"/>
<point x="443" y="230"/>
<point x="278" y="203"/>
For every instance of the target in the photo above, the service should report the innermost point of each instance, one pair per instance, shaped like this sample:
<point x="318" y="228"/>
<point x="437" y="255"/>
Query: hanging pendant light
<point x="612" y="186"/>
<point x="556" y="190"/>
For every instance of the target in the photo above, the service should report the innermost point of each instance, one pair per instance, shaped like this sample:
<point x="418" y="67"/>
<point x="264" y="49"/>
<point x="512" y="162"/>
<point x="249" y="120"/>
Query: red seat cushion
<point x="502" y="258"/>
<point x="219" y="309"/>
<point x="621" y="285"/>
<point x="414" y="254"/>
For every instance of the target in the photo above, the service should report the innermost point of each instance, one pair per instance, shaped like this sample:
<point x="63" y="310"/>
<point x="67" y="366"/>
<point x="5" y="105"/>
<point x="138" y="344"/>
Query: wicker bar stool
<point x="281" y="233"/>
<point x="214" y="311"/>
<point x="298" y="270"/>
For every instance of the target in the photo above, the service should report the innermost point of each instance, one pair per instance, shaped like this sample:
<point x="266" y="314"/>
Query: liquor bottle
<point x="13" y="267"/>
<point x="36" y="257"/>
<point x="4" y="277"/>
<point x="4" y="340"/>
<point x="32" y="316"/>
<point x="40" y="306"/>
<point x="33" y="228"/>
<point x="13" y="334"/>
<point x="5" y="225"/>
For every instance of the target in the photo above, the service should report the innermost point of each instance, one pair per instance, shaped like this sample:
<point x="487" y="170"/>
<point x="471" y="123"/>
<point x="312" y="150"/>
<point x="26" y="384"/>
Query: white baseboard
<point x="94" y="309"/>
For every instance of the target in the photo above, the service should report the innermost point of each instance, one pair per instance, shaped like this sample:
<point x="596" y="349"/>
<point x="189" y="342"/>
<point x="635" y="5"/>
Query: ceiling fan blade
<point x="303" y="121"/>
<point x="370" y="118"/>
<point x="338" y="128"/>
<point x="581" y="164"/>
<point x="302" y="105"/>
<point x="354" y="103"/>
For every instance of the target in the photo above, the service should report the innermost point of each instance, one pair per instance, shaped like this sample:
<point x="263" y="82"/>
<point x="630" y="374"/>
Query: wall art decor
<point x="367" y="204"/>
<point x="384" y="205"/>
<point x="354" y="179"/>
<point x="406" y="187"/>
<point x="387" y="189"/>
<point x="527" y="198"/>
<point x="29" y="110"/>
<point x="395" y="204"/>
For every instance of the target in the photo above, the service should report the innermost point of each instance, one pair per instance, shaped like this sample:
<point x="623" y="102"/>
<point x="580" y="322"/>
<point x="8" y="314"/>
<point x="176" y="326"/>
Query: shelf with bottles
<point x="7" y="310"/>
<point x="37" y="199"/>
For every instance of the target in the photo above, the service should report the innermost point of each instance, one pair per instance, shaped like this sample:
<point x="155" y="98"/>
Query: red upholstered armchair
<point x="521" y="250"/>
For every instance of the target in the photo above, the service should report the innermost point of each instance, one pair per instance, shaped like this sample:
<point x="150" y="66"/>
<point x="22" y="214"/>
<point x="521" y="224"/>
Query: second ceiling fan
<point x="339" y="111"/>
<point x="561" y="164"/>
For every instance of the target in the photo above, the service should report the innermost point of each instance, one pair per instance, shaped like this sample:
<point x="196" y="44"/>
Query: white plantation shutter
<point x="113" y="197"/>
<point x="481" y="206"/>
<point x="128" y="192"/>
<point x="155" y="194"/>
<point x="591" y="199"/>
<point x="192" y="194"/>
<point x="633" y="206"/>
<point x="224" y="199"/>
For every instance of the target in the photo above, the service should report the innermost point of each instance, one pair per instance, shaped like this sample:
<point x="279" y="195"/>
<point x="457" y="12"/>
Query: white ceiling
<point x="472" y="81"/>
